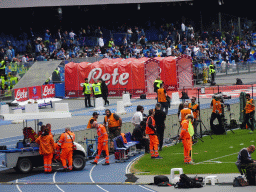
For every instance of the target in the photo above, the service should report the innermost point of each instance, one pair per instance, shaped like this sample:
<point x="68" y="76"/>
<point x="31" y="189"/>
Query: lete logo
<point x="123" y="79"/>
<point x="48" y="91"/>
<point x="21" y="95"/>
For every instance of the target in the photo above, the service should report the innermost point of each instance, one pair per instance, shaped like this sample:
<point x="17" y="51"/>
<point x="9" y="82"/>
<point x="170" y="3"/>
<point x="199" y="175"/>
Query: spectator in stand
<point x="58" y="35"/>
<point x="47" y="36"/>
<point x="72" y="35"/>
<point x="129" y="35"/>
<point x="61" y="54"/>
<point x="98" y="33"/>
<point x="29" y="47"/>
<point x="51" y="48"/>
<point x="163" y="48"/>
<point x="125" y="42"/>
<point x="72" y="52"/>
<point x="111" y="43"/>
<point x="169" y="51"/>
<point x="9" y="54"/>
<point x="54" y="55"/>
<point x="64" y="45"/>
<point x="57" y="44"/>
<point x="40" y="57"/>
<point x="101" y="42"/>
<point x="65" y="35"/>
<point x="143" y="42"/>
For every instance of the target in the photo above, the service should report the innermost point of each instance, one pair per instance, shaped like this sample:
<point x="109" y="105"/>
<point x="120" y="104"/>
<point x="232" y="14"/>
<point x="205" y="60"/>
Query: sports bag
<point x="160" y="179"/>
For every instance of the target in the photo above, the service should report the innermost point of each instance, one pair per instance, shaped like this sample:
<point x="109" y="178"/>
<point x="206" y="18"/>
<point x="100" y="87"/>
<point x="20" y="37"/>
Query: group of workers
<point x="98" y="89"/>
<point x="53" y="151"/>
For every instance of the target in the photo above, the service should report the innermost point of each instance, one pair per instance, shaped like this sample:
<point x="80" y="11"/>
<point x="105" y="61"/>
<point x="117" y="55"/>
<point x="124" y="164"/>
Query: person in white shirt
<point x="24" y="59"/>
<point x="169" y="51"/>
<point x="183" y="27"/>
<point x="138" y="116"/>
<point x="72" y="35"/>
<point x="101" y="42"/>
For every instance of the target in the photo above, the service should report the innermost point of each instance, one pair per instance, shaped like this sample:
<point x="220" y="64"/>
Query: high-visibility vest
<point x="124" y="138"/>
<point x="216" y="106"/>
<point x="96" y="88"/>
<point x="211" y="69"/>
<point x="161" y="95"/>
<point x="110" y="43"/>
<point x="150" y="131"/>
<point x="46" y="144"/>
<point x="13" y="80"/>
<point x="184" y="112"/>
<point x="56" y="71"/>
<point x="14" y="66"/>
<point x="2" y="64"/>
<point x="66" y="140"/>
<point x="112" y="122"/>
<point x="248" y="107"/>
<point x="22" y="69"/>
<point x="159" y="82"/>
<point x="87" y="89"/>
<point x="89" y="126"/>
<point x="195" y="106"/>
<point x="3" y="83"/>
<point x="102" y="134"/>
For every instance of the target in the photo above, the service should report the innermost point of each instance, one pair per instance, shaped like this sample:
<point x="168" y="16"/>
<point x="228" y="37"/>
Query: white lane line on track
<point x="90" y="174"/>
<point x="18" y="186"/>
<point x="53" y="178"/>
<point x="127" y="171"/>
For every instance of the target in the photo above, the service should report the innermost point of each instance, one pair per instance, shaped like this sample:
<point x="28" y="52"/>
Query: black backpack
<point x="119" y="143"/>
<point x="187" y="182"/>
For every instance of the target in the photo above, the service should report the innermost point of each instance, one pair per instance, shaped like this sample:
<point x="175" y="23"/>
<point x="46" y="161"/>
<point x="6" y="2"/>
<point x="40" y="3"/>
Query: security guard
<point x="66" y="139"/>
<point x="95" y="116"/>
<point x="249" y="113"/>
<point x="195" y="109"/>
<point x="212" y="72"/>
<point x="96" y="87"/>
<point x="13" y="81"/>
<point x="102" y="142"/>
<point x="157" y="83"/>
<point x="56" y="76"/>
<point x="2" y="67"/>
<point x="216" y="111"/>
<point x="161" y="97"/>
<point x="14" y="66"/>
<point x="87" y="93"/>
<point x="153" y="139"/>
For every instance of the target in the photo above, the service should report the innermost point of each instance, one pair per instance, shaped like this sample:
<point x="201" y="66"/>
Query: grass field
<point x="216" y="155"/>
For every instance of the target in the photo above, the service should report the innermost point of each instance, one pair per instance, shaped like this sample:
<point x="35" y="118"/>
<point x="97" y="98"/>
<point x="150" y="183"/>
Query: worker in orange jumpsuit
<point x="186" y="139"/>
<point x="102" y="142"/>
<point x="153" y="139"/>
<point x="95" y="116"/>
<point x="50" y="128"/>
<point x="66" y="139"/>
<point x="195" y="109"/>
<point x="249" y="113"/>
<point x="46" y="148"/>
<point x="185" y="111"/>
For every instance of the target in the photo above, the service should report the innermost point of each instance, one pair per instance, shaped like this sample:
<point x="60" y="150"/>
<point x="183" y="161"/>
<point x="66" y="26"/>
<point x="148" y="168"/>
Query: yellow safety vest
<point x="14" y="66"/>
<point x="96" y="88"/>
<point x="87" y="89"/>
<point x="211" y="70"/>
<point x="2" y="64"/>
<point x="159" y="82"/>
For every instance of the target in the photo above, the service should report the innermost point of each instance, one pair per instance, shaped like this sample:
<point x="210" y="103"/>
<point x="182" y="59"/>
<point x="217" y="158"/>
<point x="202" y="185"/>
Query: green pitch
<point x="217" y="155"/>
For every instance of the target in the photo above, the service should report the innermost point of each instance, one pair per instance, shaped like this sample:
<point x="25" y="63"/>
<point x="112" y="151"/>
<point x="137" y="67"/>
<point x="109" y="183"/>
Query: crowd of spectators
<point x="171" y="41"/>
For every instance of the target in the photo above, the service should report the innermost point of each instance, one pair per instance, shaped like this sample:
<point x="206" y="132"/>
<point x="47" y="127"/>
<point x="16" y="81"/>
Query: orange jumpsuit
<point x="46" y="148"/>
<point x="153" y="139"/>
<point x="186" y="140"/>
<point x="67" y="149"/>
<point x="102" y="143"/>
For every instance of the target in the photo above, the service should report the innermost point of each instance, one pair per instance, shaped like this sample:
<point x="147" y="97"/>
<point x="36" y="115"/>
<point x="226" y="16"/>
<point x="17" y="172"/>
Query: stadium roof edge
<point x="57" y="3"/>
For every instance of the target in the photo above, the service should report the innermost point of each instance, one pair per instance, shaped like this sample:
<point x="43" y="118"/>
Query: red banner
<point x="35" y="92"/>
<point x="119" y="75"/>
<point x="21" y="94"/>
<point x="48" y="91"/>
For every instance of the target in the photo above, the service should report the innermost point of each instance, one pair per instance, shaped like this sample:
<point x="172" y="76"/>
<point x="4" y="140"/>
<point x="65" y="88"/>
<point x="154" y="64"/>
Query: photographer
<point x="217" y="109"/>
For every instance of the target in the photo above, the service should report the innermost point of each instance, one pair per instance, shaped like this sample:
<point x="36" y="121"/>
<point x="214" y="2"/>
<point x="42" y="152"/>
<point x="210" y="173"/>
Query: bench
<point x="130" y="144"/>
<point x="121" y="150"/>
